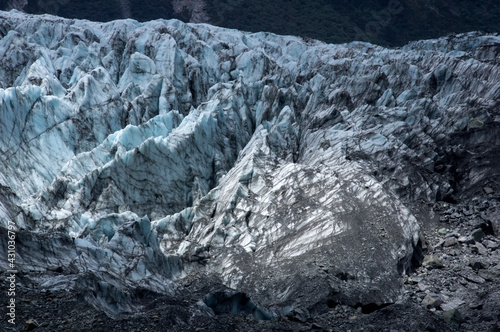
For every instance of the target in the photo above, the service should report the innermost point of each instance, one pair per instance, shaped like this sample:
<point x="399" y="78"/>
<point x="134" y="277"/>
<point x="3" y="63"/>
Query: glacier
<point x="161" y="154"/>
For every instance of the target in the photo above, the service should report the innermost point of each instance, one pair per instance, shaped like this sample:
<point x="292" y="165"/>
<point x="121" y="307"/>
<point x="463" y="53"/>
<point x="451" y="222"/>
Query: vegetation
<point x="384" y="22"/>
<point x="103" y="11"/>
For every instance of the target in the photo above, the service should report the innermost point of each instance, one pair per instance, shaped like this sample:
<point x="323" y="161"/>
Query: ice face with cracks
<point x="153" y="154"/>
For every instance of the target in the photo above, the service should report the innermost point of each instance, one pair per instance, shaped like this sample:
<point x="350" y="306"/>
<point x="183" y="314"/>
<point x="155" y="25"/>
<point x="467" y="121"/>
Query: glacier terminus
<point x="270" y="176"/>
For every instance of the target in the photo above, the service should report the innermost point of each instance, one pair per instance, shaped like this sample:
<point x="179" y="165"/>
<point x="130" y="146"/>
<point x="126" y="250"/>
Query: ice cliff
<point x="160" y="155"/>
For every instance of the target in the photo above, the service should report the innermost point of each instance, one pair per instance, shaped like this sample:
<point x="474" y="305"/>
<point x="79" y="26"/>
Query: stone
<point x="423" y="286"/>
<point x="473" y="278"/>
<point x="432" y="262"/>
<point x="439" y="244"/>
<point x="450" y="241"/>
<point x="316" y="326"/>
<point x="477" y="235"/>
<point x="496" y="226"/>
<point x="452" y="303"/>
<point x="476" y="305"/>
<point x="478" y="264"/>
<point x="475" y="123"/>
<point x="492" y="245"/>
<point x="490" y="274"/>
<point x="431" y="301"/>
<point x="301" y="314"/>
<point x="414" y="280"/>
<point x="30" y="325"/>
<point x="443" y="231"/>
<point x="492" y="216"/>
<point x="488" y="190"/>
<point x="468" y="212"/>
<point x="453" y="317"/>
<point x="444" y="219"/>
<point x="466" y="240"/>
<point x="481" y="249"/>
<point x="58" y="269"/>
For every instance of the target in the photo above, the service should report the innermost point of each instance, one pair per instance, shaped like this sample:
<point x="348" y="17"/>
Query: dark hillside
<point x="384" y="22"/>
